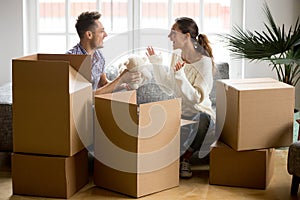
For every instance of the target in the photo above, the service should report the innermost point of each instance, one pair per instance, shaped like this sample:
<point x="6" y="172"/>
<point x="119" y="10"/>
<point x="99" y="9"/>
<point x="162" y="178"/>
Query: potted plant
<point x="280" y="48"/>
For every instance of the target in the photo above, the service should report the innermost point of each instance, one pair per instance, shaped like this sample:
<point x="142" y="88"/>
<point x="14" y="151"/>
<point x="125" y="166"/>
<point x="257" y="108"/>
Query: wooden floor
<point x="194" y="188"/>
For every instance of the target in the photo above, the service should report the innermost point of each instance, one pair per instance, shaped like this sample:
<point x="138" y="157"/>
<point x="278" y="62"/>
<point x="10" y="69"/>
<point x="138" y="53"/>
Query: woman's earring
<point x="195" y="45"/>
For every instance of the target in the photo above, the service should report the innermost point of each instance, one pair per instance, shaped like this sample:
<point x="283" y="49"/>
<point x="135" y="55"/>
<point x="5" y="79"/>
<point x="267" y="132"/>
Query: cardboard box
<point x="49" y="176"/>
<point x="255" y="113"/>
<point x="251" y="169"/>
<point x="52" y="104"/>
<point x="136" y="146"/>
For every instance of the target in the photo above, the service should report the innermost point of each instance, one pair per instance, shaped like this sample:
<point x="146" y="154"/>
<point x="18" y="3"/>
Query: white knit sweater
<point x="192" y="83"/>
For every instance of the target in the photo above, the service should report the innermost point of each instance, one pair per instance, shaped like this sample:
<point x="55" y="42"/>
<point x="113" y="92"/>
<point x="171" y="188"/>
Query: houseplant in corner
<point x="279" y="46"/>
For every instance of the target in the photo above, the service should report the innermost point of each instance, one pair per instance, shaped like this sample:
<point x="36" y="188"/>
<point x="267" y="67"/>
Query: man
<point x="91" y="33"/>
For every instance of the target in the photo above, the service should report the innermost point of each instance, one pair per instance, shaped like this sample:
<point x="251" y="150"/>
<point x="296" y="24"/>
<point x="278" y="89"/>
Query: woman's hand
<point x="153" y="57"/>
<point x="178" y="66"/>
<point x="150" y="51"/>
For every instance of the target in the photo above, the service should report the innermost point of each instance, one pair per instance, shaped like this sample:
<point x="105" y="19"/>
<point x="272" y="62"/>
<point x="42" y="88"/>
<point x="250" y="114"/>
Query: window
<point x="212" y="17"/>
<point x="56" y="19"/>
<point x="135" y="23"/>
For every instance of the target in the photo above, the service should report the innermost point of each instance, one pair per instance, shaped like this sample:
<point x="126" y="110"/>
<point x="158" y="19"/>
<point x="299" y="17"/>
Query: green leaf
<point x="275" y="45"/>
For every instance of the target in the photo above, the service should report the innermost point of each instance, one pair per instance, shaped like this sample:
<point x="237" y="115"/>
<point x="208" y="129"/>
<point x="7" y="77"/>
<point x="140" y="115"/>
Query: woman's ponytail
<point x="204" y="42"/>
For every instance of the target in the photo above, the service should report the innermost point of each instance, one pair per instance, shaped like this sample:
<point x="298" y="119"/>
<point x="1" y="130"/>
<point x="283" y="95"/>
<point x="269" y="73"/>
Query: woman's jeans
<point x="203" y="126"/>
<point x="193" y="135"/>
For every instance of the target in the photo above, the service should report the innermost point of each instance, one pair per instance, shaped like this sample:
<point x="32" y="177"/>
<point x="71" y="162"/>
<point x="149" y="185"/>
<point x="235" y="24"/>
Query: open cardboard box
<point x="254" y="113"/>
<point x="137" y="147"/>
<point x="52" y="104"/>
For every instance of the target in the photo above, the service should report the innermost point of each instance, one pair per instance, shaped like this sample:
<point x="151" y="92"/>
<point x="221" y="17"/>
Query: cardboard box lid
<point x="254" y="84"/>
<point x="261" y="86"/>
<point x="248" y="80"/>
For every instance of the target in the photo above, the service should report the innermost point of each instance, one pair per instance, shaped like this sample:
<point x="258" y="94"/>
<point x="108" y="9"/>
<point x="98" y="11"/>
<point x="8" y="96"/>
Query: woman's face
<point x="178" y="38"/>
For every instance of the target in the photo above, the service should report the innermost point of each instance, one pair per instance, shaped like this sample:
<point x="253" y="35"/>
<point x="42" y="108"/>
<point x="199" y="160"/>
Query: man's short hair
<point x="86" y="22"/>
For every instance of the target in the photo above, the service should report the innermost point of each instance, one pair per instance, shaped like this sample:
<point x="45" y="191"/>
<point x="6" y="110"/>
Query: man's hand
<point x="130" y="77"/>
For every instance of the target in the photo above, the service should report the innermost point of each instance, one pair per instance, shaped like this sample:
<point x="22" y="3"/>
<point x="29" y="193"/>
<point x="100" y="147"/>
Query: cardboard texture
<point x="255" y="113"/>
<point x="136" y="146"/>
<point x="136" y="184"/>
<point x="52" y="112"/>
<point x="49" y="176"/>
<point x="251" y="169"/>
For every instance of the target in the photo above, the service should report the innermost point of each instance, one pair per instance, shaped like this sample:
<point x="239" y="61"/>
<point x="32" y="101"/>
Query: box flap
<point x="247" y="80"/>
<point x="81" y="63"/>
<point x="29" y="57"/>
<point x="117" y="122"/>
<point x="157" y="116"/>
<point x="81" y="118"/>
<point x="76" y="81"/>
<point x="125" y="97"/>
<point x="254" y="84"/>
<point x="28" y="76"/>
<point x="260" y="86"/>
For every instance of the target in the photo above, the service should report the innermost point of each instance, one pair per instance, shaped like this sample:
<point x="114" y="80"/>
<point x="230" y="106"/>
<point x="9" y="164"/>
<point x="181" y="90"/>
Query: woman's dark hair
<point x="188" y="25"/>
<point x="86" y="22"/>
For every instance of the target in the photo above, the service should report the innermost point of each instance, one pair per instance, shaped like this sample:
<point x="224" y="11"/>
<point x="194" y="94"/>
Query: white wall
<point x="284" y="12"/>
<point x="11" y="40"/>
<point x="254" y="18"/>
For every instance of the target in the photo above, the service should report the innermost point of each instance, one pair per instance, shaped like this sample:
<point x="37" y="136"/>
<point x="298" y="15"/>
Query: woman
<point x="192" y="81"/>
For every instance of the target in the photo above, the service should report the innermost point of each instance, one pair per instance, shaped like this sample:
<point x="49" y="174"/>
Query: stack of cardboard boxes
<point x="52" y="124"/>
<point x="254" y="116"/>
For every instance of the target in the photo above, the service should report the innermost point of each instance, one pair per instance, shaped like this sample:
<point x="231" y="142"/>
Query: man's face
<point x="98" y="36"/>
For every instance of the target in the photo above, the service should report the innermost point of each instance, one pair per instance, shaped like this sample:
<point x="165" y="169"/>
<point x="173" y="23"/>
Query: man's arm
<point x="103" y="80"/>
<point x="109" y="87"/>
<point x="124" y="77"/>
